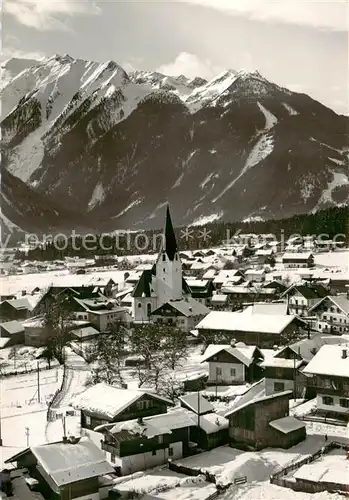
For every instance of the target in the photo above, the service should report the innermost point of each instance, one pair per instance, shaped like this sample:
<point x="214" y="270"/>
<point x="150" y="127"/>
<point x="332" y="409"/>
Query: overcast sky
<point x="299" y="44"/>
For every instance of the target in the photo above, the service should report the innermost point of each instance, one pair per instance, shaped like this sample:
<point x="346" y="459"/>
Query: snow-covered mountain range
<point x="115" y="147"/>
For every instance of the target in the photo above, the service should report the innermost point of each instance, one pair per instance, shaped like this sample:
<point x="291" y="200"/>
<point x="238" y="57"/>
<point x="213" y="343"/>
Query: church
<point x="162" y="294"/>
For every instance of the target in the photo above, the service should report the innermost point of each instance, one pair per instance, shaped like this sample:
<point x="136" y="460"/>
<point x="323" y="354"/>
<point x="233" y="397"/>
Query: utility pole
<point x="27" y="433"/>
<point x="38" y="372"/>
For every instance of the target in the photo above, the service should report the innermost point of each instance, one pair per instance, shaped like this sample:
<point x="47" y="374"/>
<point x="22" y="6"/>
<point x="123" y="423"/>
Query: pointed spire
<point x="170" y="243"/>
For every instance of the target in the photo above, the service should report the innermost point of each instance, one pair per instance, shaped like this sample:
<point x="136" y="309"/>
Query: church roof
<point x="170" y="242"/>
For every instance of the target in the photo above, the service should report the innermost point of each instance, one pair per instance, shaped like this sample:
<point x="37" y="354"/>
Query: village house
<point x="301" y="298"/>
<point x="262" y="330"/>
<point x="15" y="309"/>
<point x="263" y="421"/>
<point x="219" y="302"/>
<point x="143" y="443"/>
<point x="13" y="331"/>
<point x="255" y="275"/>
<point x="103" y="404"/>
<point x="233" y="364"/>
<point x="332" y="315"/>
<point x="231" y="276"/>
<point x="295" y="260"/>
<point x="339" y="283"/>
<point x="68" y="470"/>
<point x="162" y="293"/>
<point x="329" y="370"/>
<point x="240" y="294"/>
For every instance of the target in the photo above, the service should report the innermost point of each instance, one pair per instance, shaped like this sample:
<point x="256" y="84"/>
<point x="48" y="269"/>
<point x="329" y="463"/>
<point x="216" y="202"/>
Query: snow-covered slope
<point x="117" y="146"/>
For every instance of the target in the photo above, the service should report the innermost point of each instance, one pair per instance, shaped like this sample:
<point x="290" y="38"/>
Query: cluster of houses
<point x="279" y="339"/>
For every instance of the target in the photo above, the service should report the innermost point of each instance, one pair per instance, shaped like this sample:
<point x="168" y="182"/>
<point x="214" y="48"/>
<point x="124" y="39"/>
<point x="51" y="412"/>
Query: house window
<point x="148" y="309"/>
<point x="170" y="452"/>
<point x="232" y="372"/>
<point x="327" y="400"/>
<point x="163" y="257"/>
<point x="140" y="405"/>
<point x="112" y="458"/>
<point x="88" y="420"/>
<point x="161" y="439"/>
<point x="153" y="453"/>
<point x="218" y="370"/>
<point x="344" y="403"/>
<point x="279" y="386"/>
<point x="139" y="304"/>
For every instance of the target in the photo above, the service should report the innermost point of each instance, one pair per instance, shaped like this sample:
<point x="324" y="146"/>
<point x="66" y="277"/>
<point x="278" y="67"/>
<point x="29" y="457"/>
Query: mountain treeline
<point x="323" y="224"/>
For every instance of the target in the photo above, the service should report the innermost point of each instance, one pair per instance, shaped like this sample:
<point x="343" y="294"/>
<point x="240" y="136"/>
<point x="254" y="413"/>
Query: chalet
<point x="295" y="260"/>
<point x="329" y="370"/>
<point x="264" y="421"/>
<point x="196" y="403"/>
<point x="68" y="470"/>
<point x="84" y="333"/>
<point x="184" y="313"/>
<point x="275" y="285"/>
<point x="301" y="298"/>
<point x="13" y="331"/>
<point x="219" y="302"/>
<point x="262" y="330"/>
<point x="283" y="372"/>
<point x="332" y="314"/>
<point x="140" y="444"/>
<point x="15" y="309"/>
<point x="255" y="275"/>
<point x="232" y="364"/>
<point x="36" y="333"/>
<point x="103" y="404"/>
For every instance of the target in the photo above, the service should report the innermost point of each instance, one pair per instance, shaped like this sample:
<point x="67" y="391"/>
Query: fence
<point x="50" y="417"/>
<point x="322" y="420"/>
<point x="23" y="371"/>
<point x="279" y="474"/>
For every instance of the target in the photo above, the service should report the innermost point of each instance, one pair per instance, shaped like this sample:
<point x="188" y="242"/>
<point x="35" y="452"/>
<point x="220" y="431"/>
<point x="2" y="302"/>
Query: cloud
<point x="191" y="66"/>
<point x="8" y="52"/>
<point x="321" y="14"/>
<point x="47" y="14"/>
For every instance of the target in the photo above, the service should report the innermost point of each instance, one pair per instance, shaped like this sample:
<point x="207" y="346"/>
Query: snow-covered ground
<point x="169" y="483"/>
<point x="338" y="259"/>
<point x="267" y="491"/>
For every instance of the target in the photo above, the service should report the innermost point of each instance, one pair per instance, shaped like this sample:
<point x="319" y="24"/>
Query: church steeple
<point x="170" y="242"/>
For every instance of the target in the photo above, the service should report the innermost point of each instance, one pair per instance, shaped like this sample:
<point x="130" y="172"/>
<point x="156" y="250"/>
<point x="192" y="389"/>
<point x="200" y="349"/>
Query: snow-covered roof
<point x="329" y="469"/>
<point x="67" y="463"/>
<point x="279" y="308"/>
<point x="240" y="321"/>
<point x="287" y="424"/>
<point x="339" y="301"/>
<point x="197" y="403"/>
<point x="225" y="275"/>
<point x="106" y="400"/>
<point x="219" y="297"/>
<point x="12" y="327"/>
<point x="196" y="283"/>
<point x="242" y="353"/>
<point x="246" y="401"/>
<point x="329" y="361"/>
<point x="155" y="426"/>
